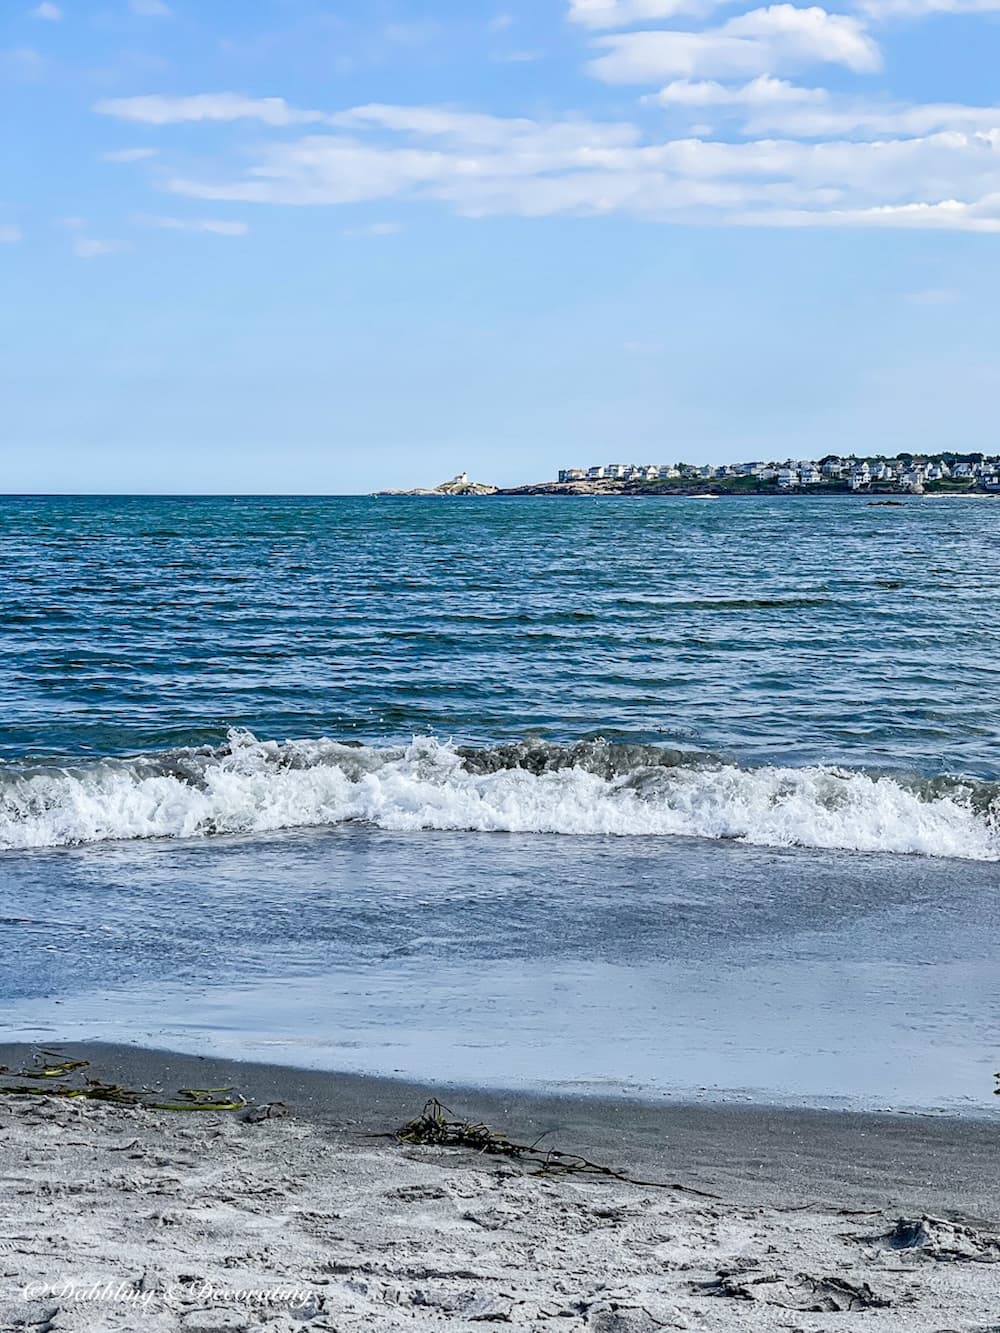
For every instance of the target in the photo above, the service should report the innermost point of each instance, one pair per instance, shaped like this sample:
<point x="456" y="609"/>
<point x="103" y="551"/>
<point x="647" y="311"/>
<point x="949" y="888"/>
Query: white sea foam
<point x="255" y="786"/>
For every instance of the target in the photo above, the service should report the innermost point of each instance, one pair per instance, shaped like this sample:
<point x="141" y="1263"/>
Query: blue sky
<point x="292" y="246"/>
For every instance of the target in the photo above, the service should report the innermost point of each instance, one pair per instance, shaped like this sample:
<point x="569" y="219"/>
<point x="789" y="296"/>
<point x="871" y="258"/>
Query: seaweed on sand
<point x="49" y="1066"/>
<point x="438" y="1127"/>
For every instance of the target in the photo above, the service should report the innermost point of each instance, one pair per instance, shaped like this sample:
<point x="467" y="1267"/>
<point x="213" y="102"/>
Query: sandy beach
<point x="129" y="1218"/>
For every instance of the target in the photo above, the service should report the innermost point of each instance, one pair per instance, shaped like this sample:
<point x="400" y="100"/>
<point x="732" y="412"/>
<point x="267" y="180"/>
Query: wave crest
<point x="594" y="787"/>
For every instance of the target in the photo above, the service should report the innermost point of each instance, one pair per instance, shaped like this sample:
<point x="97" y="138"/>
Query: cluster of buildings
<point x="905" y="472"/>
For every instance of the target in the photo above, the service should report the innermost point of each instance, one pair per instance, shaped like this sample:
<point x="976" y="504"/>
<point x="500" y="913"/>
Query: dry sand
<point x="124" y="1218"/>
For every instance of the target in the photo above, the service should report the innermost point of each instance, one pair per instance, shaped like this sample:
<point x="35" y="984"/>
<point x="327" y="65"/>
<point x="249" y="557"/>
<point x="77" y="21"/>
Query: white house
<point x="595" y="473"/>
<point x="572" y="474"/>
<point x="810" y="475"/>
<point x="667" y="471"/>
<point x="860" y="476"/>
<point x="788" y="476"/>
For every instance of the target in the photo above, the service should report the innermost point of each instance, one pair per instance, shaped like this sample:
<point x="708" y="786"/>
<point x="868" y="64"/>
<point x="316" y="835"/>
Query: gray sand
<point x="164" y="1221"/>
<point x="765" y="1154"/>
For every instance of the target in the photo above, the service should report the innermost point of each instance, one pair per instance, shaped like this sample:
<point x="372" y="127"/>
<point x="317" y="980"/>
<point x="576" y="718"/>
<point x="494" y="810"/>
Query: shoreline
<point x="933" y="1156"/>
<point x="122" y="1218"/>
<point x="707" y="490"/>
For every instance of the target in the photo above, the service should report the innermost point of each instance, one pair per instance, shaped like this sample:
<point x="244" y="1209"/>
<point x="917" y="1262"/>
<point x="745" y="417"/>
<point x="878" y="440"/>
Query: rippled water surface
<point x="786" y="630"/>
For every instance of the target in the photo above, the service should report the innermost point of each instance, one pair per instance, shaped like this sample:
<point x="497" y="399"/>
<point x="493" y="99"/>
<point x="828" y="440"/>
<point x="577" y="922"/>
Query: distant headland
<point x="947" y="473"/>
<point x="459" y="485"/>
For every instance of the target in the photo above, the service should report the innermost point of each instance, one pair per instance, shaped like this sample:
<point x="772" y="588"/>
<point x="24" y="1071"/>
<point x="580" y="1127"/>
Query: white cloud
<point x="856" y="118"/>
<point x="149" y="8"/>
<point x="217" y="226"/>
<point x="476" y="130"/>
<point x="51" y="13"/>
<point x="128" y="155"/>
<point x="873" y="164"/>
<point x="500" y="22"/>
<point x="72" y="223"/>
<point x="9" y="234"/>
<point x="769" y="105"/>
<point x="480" y="166"/>
<point x="764" y="91"/>
<point x="623" y="13"/>
<point x="326" y="170"/>
<point x="944" y="215"/>
<point x="87" y="247"/>
<point x="761" y="41"/>
<point x="158" y="110"/>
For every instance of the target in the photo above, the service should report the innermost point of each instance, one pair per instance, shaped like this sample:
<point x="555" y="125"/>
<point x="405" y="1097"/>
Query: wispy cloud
<point x="88" y="247"/>
<point x="216" y="226"/>
<point x="624" y="13"/>
<point x="129" y="155"/>
<point x="475" y="129"/>
<point x="22" y="63"/>
<point x="51" y="13"/>
<point x="375" y="229"/>
<point x="418" y="33"/>
<point x="933" y="296"/>
<point x="159" y="110"/>
<point x="946" y="215"/>
<point x="154" y="9"/>
<point x="500" y="22"/>
<point x="516" y="57"/>
<point x="9" y="234"/>
<point x="769" y="105"/>
<point x="486" y="165"/>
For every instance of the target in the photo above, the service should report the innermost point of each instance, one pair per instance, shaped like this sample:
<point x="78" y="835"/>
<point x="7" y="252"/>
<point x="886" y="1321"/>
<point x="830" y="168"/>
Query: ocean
<point x="665" y="797"/>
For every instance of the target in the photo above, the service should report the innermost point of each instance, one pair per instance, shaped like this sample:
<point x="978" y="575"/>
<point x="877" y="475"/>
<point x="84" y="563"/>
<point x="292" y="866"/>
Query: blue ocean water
<point x="785" y="630"/>
<point x="675" y="794"/>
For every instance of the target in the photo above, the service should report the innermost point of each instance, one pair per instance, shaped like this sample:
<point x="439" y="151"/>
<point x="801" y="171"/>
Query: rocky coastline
<point x="710" y="489"/>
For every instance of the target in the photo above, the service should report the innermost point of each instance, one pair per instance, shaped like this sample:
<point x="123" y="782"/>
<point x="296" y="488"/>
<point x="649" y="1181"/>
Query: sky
<point x="297" y="246"/>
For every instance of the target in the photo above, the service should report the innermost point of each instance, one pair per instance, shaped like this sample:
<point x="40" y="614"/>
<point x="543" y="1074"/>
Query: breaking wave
<point x="595" y="787"/>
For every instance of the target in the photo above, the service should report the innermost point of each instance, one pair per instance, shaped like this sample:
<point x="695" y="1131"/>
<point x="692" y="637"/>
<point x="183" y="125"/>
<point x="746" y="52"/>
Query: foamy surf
<point x="253" y="786"/>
